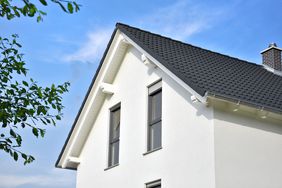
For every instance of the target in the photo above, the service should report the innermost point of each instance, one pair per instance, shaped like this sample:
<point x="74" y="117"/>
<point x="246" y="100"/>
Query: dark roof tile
<point x="215" y="73"/>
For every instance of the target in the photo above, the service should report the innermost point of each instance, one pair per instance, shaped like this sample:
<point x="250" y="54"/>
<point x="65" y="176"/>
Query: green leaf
<point x="32" y="11"/>
<point x="53" y="106"/>
<point x="76" y="6"/>
<point x="39" y="18"/>
<point x="53" y="122"/>
<point x="58" y="117"/>
<point x="16" y="12"/>
<point x="42" y="132"/>
<point x="43" y="13"/>
<point x="16" y="156"/>
<point x="43" y="2"/>
<point x="25" y="83"/>
<point x="12" y="133"/>
<point x="39" y="93"/>
<point x="48" y="120"/>
<point x="35" y="132"/>
<point x="70" y="7"/>
<point x="11" y="153"/>
<point x="23" y="125"/>
<point x="19" y="140"/>
<point x="24" y="156"/>
<point x="44" y="122"/>
<point x="9" y="140"/>
<point x="62" y="6"/>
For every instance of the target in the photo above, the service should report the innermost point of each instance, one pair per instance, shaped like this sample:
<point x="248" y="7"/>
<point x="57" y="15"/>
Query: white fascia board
<point x="117" y="44"/>
<point x="202" y="99"/>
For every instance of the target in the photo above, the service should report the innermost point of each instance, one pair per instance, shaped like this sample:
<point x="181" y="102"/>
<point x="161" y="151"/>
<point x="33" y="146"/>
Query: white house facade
<point x="143" y="125"/>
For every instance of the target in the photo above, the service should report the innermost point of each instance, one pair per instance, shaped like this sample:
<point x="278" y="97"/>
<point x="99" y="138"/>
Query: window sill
<point x="110" y="167"/>
<point x="157" y="149"/>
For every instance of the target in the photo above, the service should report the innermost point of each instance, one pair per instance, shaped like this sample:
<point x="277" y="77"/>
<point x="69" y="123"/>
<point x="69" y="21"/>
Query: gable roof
<point x="210" y="72"/>
<point x="206" y="72"/>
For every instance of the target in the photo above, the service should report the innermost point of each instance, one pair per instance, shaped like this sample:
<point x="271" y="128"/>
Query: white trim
<point x="107" y="88"/>
<point x="213" y="149"/>
<point x="125" y="41"/>
<point x="147" y="61"/>
<point x="194" y="99"/>
<point x="154" y="87"/>
<point x="74" y="160"/>
<point x="270" y="69"/>
<point x="269" y="48"/>
<point x="144" y="58"/>
<point x="202" y="99"/>
<point x="118" y="43"/>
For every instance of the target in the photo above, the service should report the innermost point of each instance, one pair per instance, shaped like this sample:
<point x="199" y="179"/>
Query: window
<point x="155" y="117"/>
<point x="154" y="184"/>
<point x="114" y="135"/>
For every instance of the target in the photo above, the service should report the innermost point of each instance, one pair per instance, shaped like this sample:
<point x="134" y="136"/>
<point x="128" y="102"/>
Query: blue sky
<point x="69" y="47"/>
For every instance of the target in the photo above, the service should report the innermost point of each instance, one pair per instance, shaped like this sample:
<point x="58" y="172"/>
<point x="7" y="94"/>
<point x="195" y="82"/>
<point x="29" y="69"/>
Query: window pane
<point x="115" y="124"/>
<point x="155" y="139"/>
<point x="114" y="136"/>
<point x="155" y="106"/>
<point x="114" y="153"/>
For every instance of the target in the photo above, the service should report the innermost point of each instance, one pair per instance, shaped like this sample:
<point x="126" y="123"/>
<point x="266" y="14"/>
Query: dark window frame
<point x="150" y="122"/>
<point x="112" y="140"/>
<point x="154" y="184"/>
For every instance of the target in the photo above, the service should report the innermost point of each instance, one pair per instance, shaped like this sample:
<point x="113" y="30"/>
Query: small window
<point x="154" y="184"/>
<point x="155" y="117"/>
<point x="114" y="135"/>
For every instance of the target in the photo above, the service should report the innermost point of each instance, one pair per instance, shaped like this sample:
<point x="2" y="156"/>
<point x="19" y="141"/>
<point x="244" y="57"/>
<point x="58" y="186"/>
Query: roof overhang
<point x="236" y="106"/>
<point x="69" y="157"/>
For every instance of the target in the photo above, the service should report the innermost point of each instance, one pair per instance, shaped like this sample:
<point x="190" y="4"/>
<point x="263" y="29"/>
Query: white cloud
<point x="52" y="179"/>
<point x="92" y="49"/>
<point x="180" y="20"/>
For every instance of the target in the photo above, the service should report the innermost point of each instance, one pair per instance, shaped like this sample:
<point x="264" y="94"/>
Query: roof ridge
<point x="185" y="43"/>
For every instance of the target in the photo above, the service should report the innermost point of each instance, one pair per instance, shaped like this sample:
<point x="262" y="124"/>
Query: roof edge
<point x="85" y="98"/>
<point x="252" y="105"/>
<point x="119" y="25"/>
<point x="199" y="90"/>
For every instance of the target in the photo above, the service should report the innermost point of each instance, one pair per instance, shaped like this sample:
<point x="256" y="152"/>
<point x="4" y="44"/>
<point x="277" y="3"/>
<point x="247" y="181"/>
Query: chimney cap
<point x="271" y="46"/>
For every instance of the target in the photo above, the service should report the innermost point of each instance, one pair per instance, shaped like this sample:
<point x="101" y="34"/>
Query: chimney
<point x="271" y="58"/>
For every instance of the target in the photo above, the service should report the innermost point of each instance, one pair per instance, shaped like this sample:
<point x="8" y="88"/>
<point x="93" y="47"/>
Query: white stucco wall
<point x="187" y="156"/>
<point x="248" y="151"/>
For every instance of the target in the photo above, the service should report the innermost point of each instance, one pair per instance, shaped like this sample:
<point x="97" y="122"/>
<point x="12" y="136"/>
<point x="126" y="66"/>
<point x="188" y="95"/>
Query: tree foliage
<point x="24" y="104"/>
<point x="9" y="9"/>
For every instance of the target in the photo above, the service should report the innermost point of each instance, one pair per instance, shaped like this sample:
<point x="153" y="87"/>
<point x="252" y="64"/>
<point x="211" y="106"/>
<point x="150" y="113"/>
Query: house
<point x="163" y="113"/>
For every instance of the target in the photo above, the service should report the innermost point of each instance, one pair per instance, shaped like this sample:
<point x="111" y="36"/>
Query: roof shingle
<point x="207" y="71"/>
